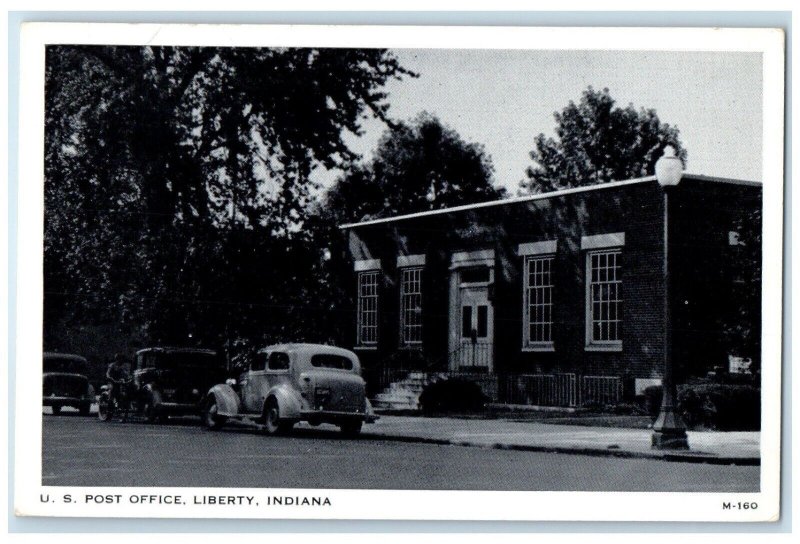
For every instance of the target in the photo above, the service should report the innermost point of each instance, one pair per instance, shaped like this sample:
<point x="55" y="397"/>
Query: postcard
<point x="413" y="273"/>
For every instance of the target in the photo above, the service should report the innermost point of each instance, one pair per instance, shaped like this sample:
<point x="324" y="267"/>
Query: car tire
<point x="211" y="420"/>
<point x="351" y="429"/>
<point x="273" y="424"/>
<point x="84" y="409"/>
<point x="55" y="409"/>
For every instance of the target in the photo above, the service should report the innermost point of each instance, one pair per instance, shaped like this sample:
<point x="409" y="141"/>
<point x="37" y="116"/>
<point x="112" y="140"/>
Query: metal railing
<point x="558" y="389"/>
<point x="601" y="390"/>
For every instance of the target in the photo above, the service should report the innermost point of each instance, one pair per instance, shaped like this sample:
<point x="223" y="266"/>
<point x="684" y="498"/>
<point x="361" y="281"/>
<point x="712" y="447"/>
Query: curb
<point x="698" y="457"/>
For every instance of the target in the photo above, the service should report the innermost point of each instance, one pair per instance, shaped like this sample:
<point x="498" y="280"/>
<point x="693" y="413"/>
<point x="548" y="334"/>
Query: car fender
<point x="228" y="402"/>
<point x="289" y="403"/>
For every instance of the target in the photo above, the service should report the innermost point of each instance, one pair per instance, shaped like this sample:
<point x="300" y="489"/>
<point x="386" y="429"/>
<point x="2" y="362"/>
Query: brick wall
<point x="635" y="209"/>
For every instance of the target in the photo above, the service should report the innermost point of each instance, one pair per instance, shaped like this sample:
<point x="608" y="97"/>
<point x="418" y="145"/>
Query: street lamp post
<point x="669" y="432"/>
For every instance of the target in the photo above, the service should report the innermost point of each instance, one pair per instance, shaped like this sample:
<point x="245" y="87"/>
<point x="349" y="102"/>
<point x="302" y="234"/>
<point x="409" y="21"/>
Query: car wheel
<point x="272" y="419"/>
<point x="149" y="410"/>
<point x="56" y="409"/>
<point x="84" y="409"/>
<point x="211" y="418"/>
<point x="351" y="429"/>
<point x="105" y="409"/>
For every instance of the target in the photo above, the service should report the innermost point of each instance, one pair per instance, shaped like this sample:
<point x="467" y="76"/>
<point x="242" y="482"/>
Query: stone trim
<point x="366" y="264"/>
<point x="598" y="241"/>
<point x="404" y="261"/>
<point x="537" y="248"/>
<point x="462" y="259"/>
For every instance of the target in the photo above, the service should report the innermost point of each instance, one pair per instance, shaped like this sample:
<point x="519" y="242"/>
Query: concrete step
<point x="395" y="397"/>
<point x="394" y="405"/>
<point x="406" y="386"/>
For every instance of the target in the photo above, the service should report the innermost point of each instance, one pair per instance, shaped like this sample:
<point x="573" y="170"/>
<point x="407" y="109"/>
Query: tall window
<point x="411" y="306"/>
<point x="368" y="308"/>
<point x="539" y="302"/>
<point x="604" y="298"/>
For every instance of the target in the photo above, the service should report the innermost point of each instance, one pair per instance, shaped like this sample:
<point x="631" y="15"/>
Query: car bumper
<point x="330" y="415"/>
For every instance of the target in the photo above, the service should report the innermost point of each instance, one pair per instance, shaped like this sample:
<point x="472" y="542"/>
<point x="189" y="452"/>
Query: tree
<point x="162" y="163"/>
<point x="597" y="142"/>
<point x="418" y="166"/>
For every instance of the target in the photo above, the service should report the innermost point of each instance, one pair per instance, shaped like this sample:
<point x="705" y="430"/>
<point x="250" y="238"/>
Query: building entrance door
<point x="471" y="335"/>
<point x="475" y="329"/>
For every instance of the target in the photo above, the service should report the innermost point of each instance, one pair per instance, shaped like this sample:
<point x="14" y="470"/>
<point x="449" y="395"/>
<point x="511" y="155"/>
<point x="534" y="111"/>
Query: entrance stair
<point x="402" y="394"/>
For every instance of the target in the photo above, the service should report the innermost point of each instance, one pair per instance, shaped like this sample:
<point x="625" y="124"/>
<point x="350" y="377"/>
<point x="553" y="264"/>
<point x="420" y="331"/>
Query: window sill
<point x="610" y="348"/>
<point x="366" y="348"/>
<point x="539" y="349"/>
<point x="411" y="347"/>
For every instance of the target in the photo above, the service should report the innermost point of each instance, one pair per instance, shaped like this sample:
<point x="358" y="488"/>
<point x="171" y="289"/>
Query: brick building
<point x="555" y="298"/>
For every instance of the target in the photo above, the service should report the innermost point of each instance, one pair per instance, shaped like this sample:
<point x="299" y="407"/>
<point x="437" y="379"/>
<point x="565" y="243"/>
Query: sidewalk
<point x="705" y="447"/>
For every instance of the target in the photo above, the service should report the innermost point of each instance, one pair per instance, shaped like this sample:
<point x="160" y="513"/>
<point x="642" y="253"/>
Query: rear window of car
<point x="278" y="361"/>
<point x="326" y="360"/>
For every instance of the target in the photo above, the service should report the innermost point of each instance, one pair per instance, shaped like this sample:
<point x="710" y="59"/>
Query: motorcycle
<point x="111" y="403"/>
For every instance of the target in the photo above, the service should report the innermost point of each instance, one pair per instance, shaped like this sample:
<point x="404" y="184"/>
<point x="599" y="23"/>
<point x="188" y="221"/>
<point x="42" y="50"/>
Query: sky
<point x="504" y="98"/>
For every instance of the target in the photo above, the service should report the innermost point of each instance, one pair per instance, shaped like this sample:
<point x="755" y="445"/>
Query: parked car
<point x="65" y="383"/>
<point x="173" y="381"/>
<point x="287" y="383"/>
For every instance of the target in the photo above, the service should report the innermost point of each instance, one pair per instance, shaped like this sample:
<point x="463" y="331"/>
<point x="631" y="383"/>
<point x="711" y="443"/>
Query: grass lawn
<point x="602" y="420"/>
<point x="587" y="418"/>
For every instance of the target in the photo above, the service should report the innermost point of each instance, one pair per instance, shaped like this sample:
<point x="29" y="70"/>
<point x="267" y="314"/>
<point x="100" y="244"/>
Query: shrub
<point x="717" y="406"/>
<point x="452" y="395"/>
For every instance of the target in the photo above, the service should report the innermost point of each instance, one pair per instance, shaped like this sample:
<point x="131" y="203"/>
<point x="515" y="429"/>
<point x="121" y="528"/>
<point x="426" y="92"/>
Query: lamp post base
<point x="669" y="439"/>
<point x="669" y="432"/>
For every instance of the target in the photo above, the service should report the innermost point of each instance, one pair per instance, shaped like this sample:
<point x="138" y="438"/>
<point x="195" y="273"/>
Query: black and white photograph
<point x="272" y="270"/>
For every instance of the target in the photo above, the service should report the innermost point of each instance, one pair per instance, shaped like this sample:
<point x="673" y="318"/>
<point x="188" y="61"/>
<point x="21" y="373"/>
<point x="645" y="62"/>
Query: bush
<point x="452" y="395"/>
<point x="717" y="406"/>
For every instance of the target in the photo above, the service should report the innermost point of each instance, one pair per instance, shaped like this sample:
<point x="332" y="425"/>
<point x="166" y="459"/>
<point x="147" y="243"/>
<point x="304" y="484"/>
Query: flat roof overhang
<point x="543" y="196"/>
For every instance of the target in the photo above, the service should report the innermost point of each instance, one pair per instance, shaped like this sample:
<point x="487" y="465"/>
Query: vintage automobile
<point x="173" y="381"/>
<point x="287" y="383"/>
<point x="65" y="383"/>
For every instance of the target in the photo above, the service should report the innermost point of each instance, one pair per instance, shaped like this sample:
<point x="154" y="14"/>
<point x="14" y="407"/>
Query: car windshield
<point x="64" y="364"/>
<point x="171" y="360"/>
<point x="327" y="360"/>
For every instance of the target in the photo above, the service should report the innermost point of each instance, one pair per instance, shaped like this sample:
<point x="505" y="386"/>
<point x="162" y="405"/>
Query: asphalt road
<point x="79" y="451"/>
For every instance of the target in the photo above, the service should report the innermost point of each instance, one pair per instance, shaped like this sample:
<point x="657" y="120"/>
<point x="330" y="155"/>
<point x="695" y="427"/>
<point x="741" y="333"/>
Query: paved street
<point x="86" y="452"/>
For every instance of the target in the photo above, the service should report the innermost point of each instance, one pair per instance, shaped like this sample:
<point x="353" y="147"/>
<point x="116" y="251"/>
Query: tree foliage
<point x="418" y="166"/>
<point x="597" y="142"/>
<point x="177" y="178"/>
